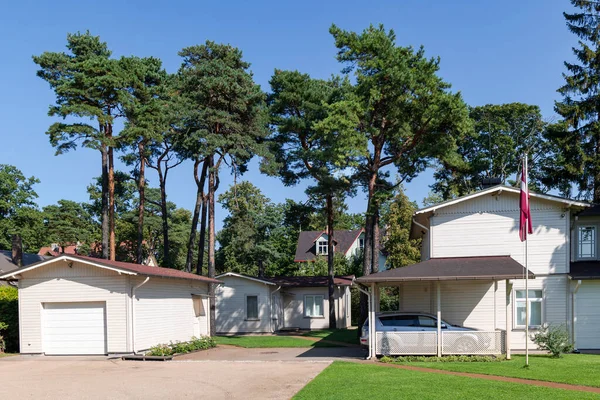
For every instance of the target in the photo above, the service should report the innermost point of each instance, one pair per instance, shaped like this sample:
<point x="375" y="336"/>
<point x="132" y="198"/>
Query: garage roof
<point x="453" y="268"/>
<point x="118" y="266"/>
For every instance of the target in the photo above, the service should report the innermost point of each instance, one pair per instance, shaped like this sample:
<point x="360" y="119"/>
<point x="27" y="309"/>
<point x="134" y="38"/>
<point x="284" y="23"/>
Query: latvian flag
<point x="525" y="225"/>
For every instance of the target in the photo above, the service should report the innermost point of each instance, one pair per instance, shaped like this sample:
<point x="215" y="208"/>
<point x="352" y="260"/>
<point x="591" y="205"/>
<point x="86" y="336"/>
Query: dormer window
<point x="322" y="247"/>
<point x="361" y="245"/>
<point x="586" y="241"/>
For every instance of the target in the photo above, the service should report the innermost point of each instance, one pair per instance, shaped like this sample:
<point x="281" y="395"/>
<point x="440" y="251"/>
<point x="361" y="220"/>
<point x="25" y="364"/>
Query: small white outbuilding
<point x="247" y="304"/>
<point x="75" y="305"/>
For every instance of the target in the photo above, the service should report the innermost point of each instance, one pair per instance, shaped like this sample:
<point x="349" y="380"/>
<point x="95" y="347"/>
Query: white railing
<point x="453" y="342"/>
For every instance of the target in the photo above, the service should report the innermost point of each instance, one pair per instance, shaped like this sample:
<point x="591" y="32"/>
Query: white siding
<point x="588" y="315"/>
<point x="293" y="299"/>
<point x="231" y="306"/>
<point x="80" y="283"/>
<point x="164" y="310"/>
<point x="489" y="225"/>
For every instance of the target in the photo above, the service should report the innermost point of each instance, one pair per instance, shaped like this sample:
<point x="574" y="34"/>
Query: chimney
<point x="261" y="269"/>
<point x="17" y="251"/>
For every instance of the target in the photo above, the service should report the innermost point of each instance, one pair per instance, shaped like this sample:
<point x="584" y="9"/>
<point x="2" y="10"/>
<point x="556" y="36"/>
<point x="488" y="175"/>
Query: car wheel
<point x="465" y="345"/>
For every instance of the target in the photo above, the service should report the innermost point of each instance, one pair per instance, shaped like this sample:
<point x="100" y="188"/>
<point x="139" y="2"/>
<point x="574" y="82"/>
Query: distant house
<point x="125" y="248"/>
<point x="7" y="263"/>
<point x="247" y="304"/>
<point x="350" y="243"/>
<point x="76" y="305"/>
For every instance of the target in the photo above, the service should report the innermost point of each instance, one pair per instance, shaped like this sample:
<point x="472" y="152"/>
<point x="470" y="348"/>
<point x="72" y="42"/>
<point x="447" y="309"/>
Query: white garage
<point x="74" y="328"/>
<point x="75" y="305"/>
<point x="587" y="313"/>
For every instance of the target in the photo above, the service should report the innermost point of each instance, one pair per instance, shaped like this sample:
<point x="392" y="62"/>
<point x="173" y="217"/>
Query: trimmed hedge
<point x="9" y="314"/>
<point x="409" y="359"/>
<point x="201" y="343"/>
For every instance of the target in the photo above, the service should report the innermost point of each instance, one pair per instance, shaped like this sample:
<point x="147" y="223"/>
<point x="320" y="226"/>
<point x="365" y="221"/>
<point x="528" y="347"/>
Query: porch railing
<point x="453" y="343"/>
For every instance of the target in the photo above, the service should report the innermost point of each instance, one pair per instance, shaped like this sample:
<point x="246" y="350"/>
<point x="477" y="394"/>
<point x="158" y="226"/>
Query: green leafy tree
<point x="503" y="134"/>
<point x="226" y="113"/>
<point x="19" y="213"/>
<point x="576" y="141"/>
<point x="397" y="217"/>
<point x="89" y="85"/>
<point x="68" y="223"/>
<point x="405" y="113"/>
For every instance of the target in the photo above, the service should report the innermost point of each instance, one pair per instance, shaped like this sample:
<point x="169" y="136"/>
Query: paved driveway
<point x="313" y="354"/>
<point x="89" y="378"/>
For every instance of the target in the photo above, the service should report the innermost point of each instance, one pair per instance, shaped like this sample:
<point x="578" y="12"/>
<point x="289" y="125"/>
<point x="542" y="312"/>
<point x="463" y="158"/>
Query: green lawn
<point x="337" y="335"/>
<point x="576" y="369"/>
<point x="7" y="354"/>
<point x="344" y="380"/>
<point x="268" y="341"/>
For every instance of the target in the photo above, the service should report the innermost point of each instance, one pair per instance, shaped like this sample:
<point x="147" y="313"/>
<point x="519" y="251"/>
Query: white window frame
<point x="314" y="297"/>
<point x="595" y="242"/>
<point x="361" y="245"/>
<point x="257" y="318"/>
<point x="540" y="300"/>
<point x="322" y="248"/>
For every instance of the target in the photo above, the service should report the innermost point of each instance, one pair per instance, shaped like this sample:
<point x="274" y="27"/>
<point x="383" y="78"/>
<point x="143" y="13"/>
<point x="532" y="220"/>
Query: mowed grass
<point x="349" y="336"/>
<point x="344" y="380"/>
<point x="267" y="341"/>
<point x="576" y="369"/>
<point x="7" y="354"/>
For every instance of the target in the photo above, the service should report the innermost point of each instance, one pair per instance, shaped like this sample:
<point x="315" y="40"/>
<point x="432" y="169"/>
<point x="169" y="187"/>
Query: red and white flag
<point x="525" y="225"/>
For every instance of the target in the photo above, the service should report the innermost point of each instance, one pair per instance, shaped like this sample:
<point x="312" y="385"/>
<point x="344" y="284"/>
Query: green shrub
<point x="9" y="315"/>
<point x="201" y="343"/>
<point x="3" y="327"/>
<point x="409" y="359"/>
<point x="554" y="339"/>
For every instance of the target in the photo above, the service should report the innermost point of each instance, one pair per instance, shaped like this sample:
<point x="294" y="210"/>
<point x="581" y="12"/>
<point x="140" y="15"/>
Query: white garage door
<point x="74" y="328"/>
<point x="588" y="315"/>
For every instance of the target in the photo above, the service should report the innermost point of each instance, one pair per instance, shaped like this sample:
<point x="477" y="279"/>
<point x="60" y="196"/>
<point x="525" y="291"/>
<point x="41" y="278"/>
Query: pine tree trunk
<point x="142" y="202"/>
<point x="111" y="204"/>
<point x="164" y="213"/>
<point x="105" y="217"/>
<point x="375" y="250"/>
<point x="596" y="164"/>
<point x="202" y="239"/>
<point x="199" y="197"/>
<point x="211" y="243"/>
<point x="368" y="249"/>
<point x="330" y="266"/>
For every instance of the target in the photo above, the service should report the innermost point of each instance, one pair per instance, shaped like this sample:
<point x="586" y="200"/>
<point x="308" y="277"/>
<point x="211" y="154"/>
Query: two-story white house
<point x="472" y="269"/>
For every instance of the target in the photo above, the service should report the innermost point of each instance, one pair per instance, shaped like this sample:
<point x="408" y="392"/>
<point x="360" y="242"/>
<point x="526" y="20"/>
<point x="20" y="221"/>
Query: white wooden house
<point x="472" y="240"/>
<point x="247" y="304"/>
<point x="75" y="305"/>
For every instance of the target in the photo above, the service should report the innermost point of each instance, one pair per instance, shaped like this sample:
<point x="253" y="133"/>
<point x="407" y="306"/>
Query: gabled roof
<point x="117" y="266"/>
<point x="296" y="281"/>
<point x="501" y="188"/>
<point x="305" y="249"/>
<point x="453" y="269"/>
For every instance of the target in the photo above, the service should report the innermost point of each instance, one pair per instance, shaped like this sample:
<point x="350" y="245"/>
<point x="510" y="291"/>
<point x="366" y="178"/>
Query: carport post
<point x="508" y="318"/>
<point x="439" y="318"/>
<point x="372" y="330"/>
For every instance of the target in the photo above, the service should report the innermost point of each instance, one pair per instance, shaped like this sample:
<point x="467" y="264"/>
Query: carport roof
<point x="454" y="268"/>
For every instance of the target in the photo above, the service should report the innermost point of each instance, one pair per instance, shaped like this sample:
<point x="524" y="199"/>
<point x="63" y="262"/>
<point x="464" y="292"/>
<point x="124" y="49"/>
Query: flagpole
<point x="527" y="272"/>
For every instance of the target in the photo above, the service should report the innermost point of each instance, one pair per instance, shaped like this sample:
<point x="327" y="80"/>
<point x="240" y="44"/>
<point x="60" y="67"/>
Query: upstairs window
<point x="586" y="241"/>
<point x="361" y="245"/>
<point x="322" y="247"/>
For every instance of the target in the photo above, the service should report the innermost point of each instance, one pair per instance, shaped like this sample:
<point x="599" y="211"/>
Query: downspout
<point x="371" y="350"/>
<point x="573" y="317"/>
<point x="133" y="289"/>
<point x="271" y="320"/>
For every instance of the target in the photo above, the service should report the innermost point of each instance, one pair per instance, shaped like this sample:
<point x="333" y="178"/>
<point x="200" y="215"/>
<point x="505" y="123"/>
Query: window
<point x="322" y="247"/>
<point x="252" y="307"/>
<point x="427" y="322"/>
<point x="361" y="245"/>
<point x="198" y="306"/>
<point x="398" y="320"/>
<point x="313" y="306"/>
<point x="535" y="308"/>
<point x="586" y="241"/>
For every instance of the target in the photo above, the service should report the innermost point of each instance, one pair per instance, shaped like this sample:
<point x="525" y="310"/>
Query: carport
<point x="466" y="286"/>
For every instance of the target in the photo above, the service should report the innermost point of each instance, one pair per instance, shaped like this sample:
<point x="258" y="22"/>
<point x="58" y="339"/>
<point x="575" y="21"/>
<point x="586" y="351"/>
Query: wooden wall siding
<point x="164" y="311"/>
<point x="588" y="315"/>
<point x="486" y="227"/>
<point x="111" y="289"/>
<point x="231" y="306"/>
<point x="62" y="269"/>
<point x="294" y="309"/>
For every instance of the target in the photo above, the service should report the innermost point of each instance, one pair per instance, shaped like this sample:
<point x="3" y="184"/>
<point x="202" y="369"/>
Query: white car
<point x="419" y="322"/>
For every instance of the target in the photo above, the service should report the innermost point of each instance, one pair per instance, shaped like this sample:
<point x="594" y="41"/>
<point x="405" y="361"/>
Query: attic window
<point x="322" y="247"/>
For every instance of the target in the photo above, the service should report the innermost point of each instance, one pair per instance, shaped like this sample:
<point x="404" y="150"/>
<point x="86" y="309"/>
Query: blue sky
<point x="492" y="52"/>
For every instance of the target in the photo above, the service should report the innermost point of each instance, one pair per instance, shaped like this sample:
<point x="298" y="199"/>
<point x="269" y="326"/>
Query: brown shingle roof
<point x="305" y="250"/>
<point x="310" y="281"/>
<point x="453" y="268"/>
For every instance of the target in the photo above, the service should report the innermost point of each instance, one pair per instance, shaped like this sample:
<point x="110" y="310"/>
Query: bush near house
<point x="201" y="343"/>
<point x="444" y="359"/>
<point x="9" y="315"/>
<point x="554" y="339"/>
